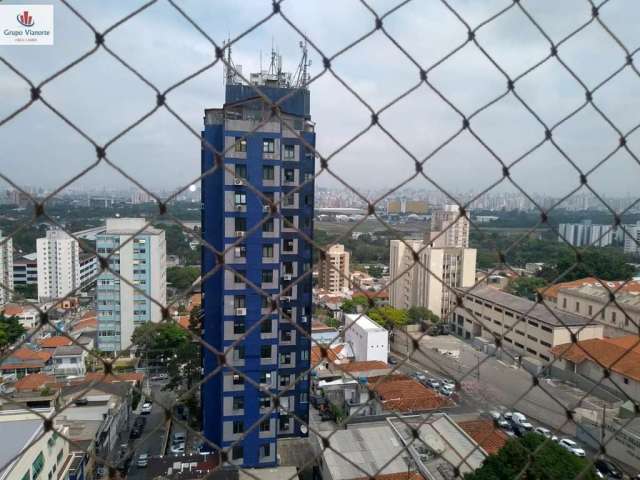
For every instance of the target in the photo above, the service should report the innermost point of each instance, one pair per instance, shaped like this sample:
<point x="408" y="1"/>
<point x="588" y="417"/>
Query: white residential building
<point x="25" y="270"/>
<point x="429" y="282"/>
<point x="142" y="261"/>
<point x="448" y="228"/>
<point x="88" y="268"/>
<point x="6" y="269"/>
<point x="58" y="265"/>
<point x="69" y="360"/>
<point x="333" y="272"/>
<point x="586" y="234"/>
<point x="632" y="238"/>
<point x="368" y="340"/>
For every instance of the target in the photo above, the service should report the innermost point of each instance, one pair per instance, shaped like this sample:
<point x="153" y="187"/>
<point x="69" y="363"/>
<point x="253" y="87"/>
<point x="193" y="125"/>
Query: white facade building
<point x="448" y="228"/>
<point x="429" y="282"/>
<point x="6" y="269"/>
<point x="632" y="238"/>
<point x="586" y="234"/>
<point x="58" y="265"/>
<point x="143" y="262"/>
<point x="368" y="340"/>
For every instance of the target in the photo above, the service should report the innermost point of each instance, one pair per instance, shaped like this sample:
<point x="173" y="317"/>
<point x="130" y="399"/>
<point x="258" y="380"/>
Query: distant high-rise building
<point x="271" y="155"/>
<point x="448" y="228"/>
<point x="632" y="238"/>
<point x="429" y="281"/>
<point x="58" y="265"/>
<point x="333" y="271"/>
<point x="6" y="269"/>
<point x="25" y="270"/>
<point x="142" y="262"/>
<point x="586" y="234"/>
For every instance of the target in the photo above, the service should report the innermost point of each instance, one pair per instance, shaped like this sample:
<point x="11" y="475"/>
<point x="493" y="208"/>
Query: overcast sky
<point x="102" y="97"/>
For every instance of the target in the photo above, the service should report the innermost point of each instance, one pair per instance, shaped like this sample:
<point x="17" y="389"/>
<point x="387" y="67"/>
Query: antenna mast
<point x="301" y="77"/>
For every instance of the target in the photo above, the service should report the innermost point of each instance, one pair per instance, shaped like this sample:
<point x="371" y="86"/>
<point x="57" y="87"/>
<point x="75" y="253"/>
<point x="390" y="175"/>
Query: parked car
<point x="495" y="415"/>
<point x="449" y="383"/>
<point x="572" y="447"/>
<point x="521" y="421"/>
<point x="504" y="424"/>
<point x="607" y="469"/>
<point x="140" y="422"/>
<point x="421" y="377"/>
<point x="507" y="415"/>
<point x="135" y="433"/>
<point x="179" y="437"/>
<point x="177" y="448"/>
<point x="146" y="408"/>
<point x="446" y="390"/>
<point x="433" y="383"/>
<point x="392" y="360"/>
<point x="545" y="432"/>
<point x="326" y="415"/>
<point x="143" y="460"/>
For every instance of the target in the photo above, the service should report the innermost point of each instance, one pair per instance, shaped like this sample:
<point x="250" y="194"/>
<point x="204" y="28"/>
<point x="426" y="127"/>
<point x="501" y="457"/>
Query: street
<point x="152" y="437"/>
<point x="497" y="384"/>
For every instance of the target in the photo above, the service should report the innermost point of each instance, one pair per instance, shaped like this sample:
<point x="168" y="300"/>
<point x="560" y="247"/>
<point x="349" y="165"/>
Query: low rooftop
<point x="403" y="394"/>
<point x="519" y="305"/>
<point x="362" y="321"/>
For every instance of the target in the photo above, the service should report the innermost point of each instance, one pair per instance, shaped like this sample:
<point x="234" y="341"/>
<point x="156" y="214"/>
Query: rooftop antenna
<point x="228" y="70"/>
<point x="301" y="77"/>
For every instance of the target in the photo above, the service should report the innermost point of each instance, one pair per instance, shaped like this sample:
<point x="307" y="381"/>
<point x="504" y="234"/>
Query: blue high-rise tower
<point x="260" y="246"/>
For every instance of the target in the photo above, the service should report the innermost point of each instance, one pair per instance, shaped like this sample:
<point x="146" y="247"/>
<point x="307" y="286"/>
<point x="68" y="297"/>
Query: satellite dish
<point x="303" y="428"/>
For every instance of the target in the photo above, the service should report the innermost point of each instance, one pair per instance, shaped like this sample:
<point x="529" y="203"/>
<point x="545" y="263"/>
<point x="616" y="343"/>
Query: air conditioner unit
<point x="239" y="208"/>
<point x="303" y="319"/>
<point x="266" y="208"/>
<point x="285" y="298"/>
<point x="241" y="312"/>
<point x="238" y="181"/>
<point x="287" y="276"/>
<point x="240" y="234"/>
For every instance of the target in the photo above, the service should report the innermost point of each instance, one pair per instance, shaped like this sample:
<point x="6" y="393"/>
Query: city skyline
<point x="506" y="126"/>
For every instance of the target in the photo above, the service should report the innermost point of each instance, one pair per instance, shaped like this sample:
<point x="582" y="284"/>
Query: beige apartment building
<point x="592" y="301"/>
<point x="333" y="272"/>
<point x="448" y="228"/>
<point x="527" y="328"/>
<point x="428" y="283"/>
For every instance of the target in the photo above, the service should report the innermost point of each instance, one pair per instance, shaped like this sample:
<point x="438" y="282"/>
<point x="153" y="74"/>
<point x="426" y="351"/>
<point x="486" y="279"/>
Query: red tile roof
<point x="332" y="354"/>
<point x="621" y="355"/>
<point x="485" y="434"/>
<point x="379" y="295"/>
<point x="183" y="321"/>
<point x="53" y="342"/>
<point x="28" y="354"/>
<point x="551" y="293"/>
<point x="12" y="309"/>
<point x="363" y="366"/>
<point x="403" y="394"/>
<point x="89" y="314"/>
<point x="85" y="323"/>
<point x="34" y="381"/>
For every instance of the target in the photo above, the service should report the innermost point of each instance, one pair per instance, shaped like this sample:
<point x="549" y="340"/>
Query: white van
<point x="520" y="420"/>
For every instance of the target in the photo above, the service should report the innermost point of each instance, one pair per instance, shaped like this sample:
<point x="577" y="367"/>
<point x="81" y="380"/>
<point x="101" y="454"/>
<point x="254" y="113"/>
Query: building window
<point x="285" y="358"/>
<point x="626" y="381"/>
<point x="268" y="145"/>
<point x="240" y="198"/>
<point x="240" y="251"/>
<point x="241" y="171"/>
<point x="239" y="301"/>
<point x="238" y="353"/>
<point x="304" y="355"/>
<point x="287" y="245"/>
<point x="613" y="317"/>
<point x="546" y="344"/>
<point x="267" y="276"/>
<point x="285" y="336"/>
<point x="590" y="310"/>
<point x="265" y="326"/>
<point x="265" y="425"/>
<point x="285" y="380"/>
<point x="238" y="403"/>
<point x="564" y="303"/>
<point x="240" y="144"/>
<point x="268" y="226"/>
<point x="265" y="450"/>
<point x="289" y="175"/>
<point x="238" y="379"/>
<point x="265" y="351"/>
<point x="237" y="452"/>
<point x="265" y="378"/>
<point x="288" y="221"/>
<point x="267" y="251"/>
<point x="238" y="426"/>
<point x="268" y="172"/>
<point x="240" y="224"/>
<point x="577" y="307"/>
<point x="238" y="277"/>
<point x="289" y="152"/>
<point x="238" y="327"/>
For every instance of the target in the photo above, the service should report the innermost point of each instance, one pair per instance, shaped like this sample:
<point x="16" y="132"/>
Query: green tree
<point x="526" y="286"/>
<point x="375" y="271"/>
<point x="604" y="263"/>
<point x="351" y="306"/>
<point x="182" y="277"/>
<point x="158" y="342"/>
<point x="551" y="462"/>
<point x="388" y="316"/>
<point x="27" y="291"/>
<point x="419" y="314"/>
<point x="10" y="330"/>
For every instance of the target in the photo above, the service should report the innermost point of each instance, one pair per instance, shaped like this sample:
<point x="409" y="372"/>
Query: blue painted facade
<point x="232" y="308"/>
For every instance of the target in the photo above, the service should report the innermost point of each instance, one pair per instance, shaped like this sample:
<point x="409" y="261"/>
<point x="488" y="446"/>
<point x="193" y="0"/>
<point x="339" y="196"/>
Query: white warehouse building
<point x="368" y="340"/>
